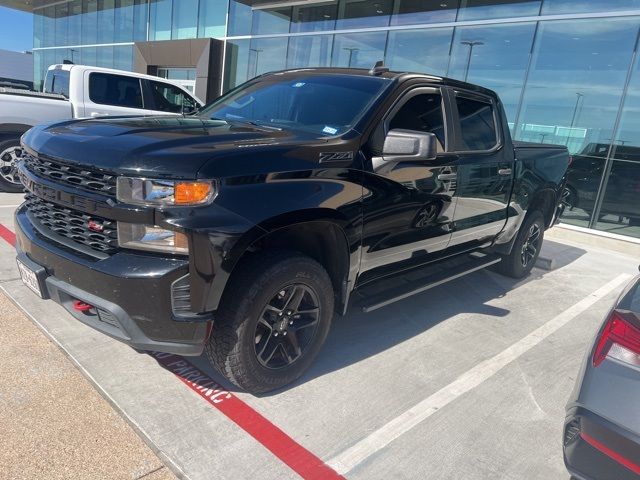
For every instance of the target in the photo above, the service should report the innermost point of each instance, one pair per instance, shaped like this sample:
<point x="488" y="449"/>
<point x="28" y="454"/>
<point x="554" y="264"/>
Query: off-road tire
<point x="512" y="264"/>
<point x="6" y="185"/>
<point x="232" y="345"/>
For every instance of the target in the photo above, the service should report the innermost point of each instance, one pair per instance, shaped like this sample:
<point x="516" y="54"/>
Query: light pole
<point x="73" y="52"/>
<point x="351" y="50"/>
<point x="471" y="44"/>
<point x="257" y="51"/>
<point x="573" y="118"/>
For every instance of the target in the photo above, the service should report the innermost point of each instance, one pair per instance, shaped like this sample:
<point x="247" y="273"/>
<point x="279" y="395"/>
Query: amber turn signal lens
<point x="190" y="193"/>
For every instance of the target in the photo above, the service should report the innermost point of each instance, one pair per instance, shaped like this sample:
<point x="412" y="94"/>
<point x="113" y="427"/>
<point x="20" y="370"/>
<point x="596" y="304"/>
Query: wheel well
<point x="544" y="202"/>
<point x="323" y="241"/>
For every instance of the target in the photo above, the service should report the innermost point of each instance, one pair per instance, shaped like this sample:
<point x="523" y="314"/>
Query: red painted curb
<point x="7" y="235"/>
<point x="291" y="453"/>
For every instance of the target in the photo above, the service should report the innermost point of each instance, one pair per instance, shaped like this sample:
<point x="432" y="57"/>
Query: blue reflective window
<point x="411" y="12"/>
<point x="140" y="17"/>
<point x="359" y="14"/>
<point x="495" y="57"/>
<point x="185" y="19"/>
<point x="212" y="18"/>
<point x="124" y="14"/>
<point x="239" y="18"/>
<point x="61" y="23"/>
<point x="106" y="20"/>
<point x="360" y="50"/>
<point x="38" y="29"/>
<point x="236" y="63"/>
<point x="267" y="55"/>
<point x="160" y="19"/>
<point x="485" y="9"/>
<point x="314" y="18"/>
<point x="89" y="22"/>
<point x="550" y="7"/>
<point x="49" y="26"/>
<point x="574" y="88"/>
<point x="104" y="57"/>
<point x="74" y="36"/>
<point x="310" y="51"/>
<point x="266" y="22"/>
<point x="419" y="50"/>
<point x="123" y="57"/>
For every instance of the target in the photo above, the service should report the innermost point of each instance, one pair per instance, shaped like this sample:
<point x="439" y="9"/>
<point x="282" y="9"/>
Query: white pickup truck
<point x="75" y="91"/>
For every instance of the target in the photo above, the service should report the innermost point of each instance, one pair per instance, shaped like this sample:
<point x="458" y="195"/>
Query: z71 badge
<point x="336" y="157"/>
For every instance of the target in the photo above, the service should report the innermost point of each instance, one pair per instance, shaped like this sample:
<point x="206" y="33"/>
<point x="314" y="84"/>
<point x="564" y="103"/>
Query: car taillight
<point x="620" y="339"/>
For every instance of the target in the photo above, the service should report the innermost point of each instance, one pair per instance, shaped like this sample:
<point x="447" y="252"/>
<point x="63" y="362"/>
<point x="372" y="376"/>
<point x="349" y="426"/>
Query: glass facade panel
<point x="160" y="19"/>
<point x="212" y="18"/>
<point x="364" y="13"/>
<point x="140" y="18"/>
<point x="268" y="22"/>
<point x="239" y="19"/>
<point x="124" y="14"/>
<point x="412" y="12"/>
<point x="61" y="23"/>
<point x="185" y="19"/>
<point x="123" y="57"/>
<point x="419" y="50"/>
<point x="358" y="50"/>
<point x="106" y="21"/>
<point x="314" y="19"/>
<point x="236" y="63"/>
<point x="74" y="36"/>
<point x="551" y="7"/>
<point x="495" y="57"/>
<point x="310" y="50"/>
<point x="484" y="9"/>
<point x="89" y="22"/>
<point x="267" y="55"/>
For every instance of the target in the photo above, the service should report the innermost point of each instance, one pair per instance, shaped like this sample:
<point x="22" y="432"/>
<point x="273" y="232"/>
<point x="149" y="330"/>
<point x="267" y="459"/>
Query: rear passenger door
<point x="485" y="169"/>
<point x="109" y="94"/>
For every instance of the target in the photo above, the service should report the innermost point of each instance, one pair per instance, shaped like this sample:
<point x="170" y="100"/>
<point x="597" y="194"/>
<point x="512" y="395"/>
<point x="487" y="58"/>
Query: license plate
<point x="29" y="278"/>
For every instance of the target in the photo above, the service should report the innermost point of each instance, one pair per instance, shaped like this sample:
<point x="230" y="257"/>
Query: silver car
<point x="602" y="427"/>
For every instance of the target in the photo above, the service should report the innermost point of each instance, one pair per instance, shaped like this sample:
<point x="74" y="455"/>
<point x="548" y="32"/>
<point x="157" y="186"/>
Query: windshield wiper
<point x="247" y="122"/>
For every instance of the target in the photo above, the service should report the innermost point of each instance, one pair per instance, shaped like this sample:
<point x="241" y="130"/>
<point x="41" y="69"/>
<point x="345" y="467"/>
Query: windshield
<point x="323" y="104"/>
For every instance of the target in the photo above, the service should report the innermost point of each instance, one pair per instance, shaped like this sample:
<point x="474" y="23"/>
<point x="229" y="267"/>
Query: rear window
<point x="477" y="124"/>
<point x="117" y="90"/>
<point x="57" y="81"/>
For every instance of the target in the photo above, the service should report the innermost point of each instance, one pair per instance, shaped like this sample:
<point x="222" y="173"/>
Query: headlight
<point x="151" y="238"/>
<point x="144" y="191"/>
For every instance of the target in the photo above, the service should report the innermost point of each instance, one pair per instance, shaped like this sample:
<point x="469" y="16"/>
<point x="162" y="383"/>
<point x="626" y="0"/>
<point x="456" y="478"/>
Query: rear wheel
<point x="10" y="153"/>
<point x="272" y="322"/>
<point x="526" y="248"/>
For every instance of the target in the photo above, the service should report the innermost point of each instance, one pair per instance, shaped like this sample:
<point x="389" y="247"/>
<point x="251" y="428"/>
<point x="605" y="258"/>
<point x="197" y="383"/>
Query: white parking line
<point x="9" y="206"/>
<point x="353" y="456"/>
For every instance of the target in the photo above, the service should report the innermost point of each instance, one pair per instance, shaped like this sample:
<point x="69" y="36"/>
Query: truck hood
<point x="168" y="147"/>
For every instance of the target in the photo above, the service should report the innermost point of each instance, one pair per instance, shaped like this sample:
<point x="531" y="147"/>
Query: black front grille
<point x="74" y="225"/>
<point x="79" y="177"/>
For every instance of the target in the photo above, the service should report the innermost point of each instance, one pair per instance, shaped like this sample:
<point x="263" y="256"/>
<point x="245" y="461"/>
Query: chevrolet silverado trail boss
<point x="239" y="230"/>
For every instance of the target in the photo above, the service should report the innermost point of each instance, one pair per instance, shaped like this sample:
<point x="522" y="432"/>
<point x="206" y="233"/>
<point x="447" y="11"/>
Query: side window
<point x="477" y="124"/>
<point x="169" y="98"/>
<point x="422" y="113"/>
<point x="117" y="90"/>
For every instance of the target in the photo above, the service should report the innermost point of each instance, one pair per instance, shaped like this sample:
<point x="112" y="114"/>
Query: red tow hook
<point x="81" y="306"/>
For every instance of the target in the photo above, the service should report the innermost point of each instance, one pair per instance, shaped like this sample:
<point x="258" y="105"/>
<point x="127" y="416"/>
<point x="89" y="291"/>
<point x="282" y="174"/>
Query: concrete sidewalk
<point x="53" y="423"/>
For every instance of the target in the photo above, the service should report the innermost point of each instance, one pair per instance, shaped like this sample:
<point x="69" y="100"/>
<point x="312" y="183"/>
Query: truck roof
<point x="392" y="75"/>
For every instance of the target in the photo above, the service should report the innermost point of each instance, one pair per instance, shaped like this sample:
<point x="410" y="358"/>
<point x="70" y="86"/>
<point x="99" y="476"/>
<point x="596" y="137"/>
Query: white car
<point x="76" y="91"/>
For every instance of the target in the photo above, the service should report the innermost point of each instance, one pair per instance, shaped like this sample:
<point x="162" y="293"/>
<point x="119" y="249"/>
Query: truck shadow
<point x="358" y="336"/>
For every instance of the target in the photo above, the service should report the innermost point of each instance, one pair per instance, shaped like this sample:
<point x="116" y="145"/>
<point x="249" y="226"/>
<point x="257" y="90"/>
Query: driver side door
<point x="408" y="206"/>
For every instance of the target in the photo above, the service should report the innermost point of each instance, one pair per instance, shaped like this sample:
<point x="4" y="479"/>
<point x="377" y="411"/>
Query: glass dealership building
<point x="567" y="70"/>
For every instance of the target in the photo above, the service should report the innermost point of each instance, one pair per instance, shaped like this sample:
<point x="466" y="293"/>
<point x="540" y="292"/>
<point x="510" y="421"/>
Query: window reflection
<point x="160" y="20"/>
<point x="483" y="9"/>
<point x="239" y="18"/>
<point x="185" y="19"/>
<point x="419" y="50"/>
<point x="411" y="12"/>
<point x="313" y="19"/>
<point x="550" y="7"/>
<point x="495" y="57"/>
<point x="361" y="50"/>
<point x="212" y="18"/>
<point x="267" y="55"/>
<point x="620" y="210"/>
<point x="364" y="13"/>
<point x="271" y="21"/>
<point x="312" y="50"/>
<point x="236" y="63"/>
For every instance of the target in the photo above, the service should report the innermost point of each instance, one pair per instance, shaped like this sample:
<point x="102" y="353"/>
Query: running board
<point x="426" y="283"/>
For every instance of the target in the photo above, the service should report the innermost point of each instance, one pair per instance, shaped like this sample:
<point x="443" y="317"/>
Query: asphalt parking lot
<point x="468" y="380"/>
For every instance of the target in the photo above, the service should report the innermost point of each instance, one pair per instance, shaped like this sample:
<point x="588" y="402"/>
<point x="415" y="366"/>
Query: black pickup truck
<point x="241" y="229"/>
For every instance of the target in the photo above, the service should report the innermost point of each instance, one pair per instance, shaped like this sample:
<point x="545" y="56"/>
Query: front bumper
<point x="131" y="292"/>
<point x="597" y="449"/>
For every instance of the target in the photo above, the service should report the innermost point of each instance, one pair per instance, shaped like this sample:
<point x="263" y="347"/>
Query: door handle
<point x="447" y="176"/>
<point x="504" y="171"/>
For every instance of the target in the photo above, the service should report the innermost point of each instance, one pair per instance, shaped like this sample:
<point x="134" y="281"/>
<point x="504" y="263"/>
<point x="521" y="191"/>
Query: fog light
<point x="151" y="238"/>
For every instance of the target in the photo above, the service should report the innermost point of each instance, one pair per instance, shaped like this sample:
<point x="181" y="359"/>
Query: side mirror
<point x="409" y="146"/>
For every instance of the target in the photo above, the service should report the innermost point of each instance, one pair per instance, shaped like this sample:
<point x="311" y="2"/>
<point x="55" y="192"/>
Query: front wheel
<point x="526" y="248"/>
<point x="10" y="153"/>
<point x="274" y="318"/>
